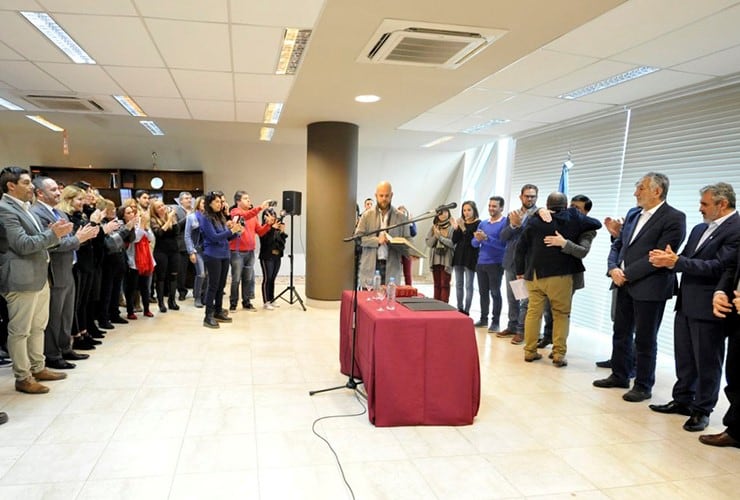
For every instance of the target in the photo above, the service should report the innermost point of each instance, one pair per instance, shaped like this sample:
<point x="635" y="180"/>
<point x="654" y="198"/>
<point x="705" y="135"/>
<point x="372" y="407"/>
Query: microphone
<point x="449" y="206"/>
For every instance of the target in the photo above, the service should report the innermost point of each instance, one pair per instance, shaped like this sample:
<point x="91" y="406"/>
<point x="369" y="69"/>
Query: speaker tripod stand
<point x="294" y="295"/>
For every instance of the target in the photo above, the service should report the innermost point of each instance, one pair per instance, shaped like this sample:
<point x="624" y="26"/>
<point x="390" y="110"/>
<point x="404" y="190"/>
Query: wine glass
<point x="380" y="297"/>
<point x="367" y="284"/>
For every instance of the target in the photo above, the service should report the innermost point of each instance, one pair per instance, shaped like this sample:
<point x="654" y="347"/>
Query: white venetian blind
<point x="596" y="149"/>
<point x="695" y="141"/>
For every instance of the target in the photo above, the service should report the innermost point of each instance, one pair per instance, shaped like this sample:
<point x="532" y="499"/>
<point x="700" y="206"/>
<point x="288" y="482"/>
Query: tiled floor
<point x="167" y="409"/>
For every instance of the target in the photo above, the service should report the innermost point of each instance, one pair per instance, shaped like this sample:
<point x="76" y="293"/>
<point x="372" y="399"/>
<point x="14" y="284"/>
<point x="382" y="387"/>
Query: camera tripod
<point x="291" y="288"/>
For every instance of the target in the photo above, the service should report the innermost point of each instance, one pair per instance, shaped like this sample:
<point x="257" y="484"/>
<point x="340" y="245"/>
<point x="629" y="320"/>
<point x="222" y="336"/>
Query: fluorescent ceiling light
<point x="294" y="43"/>
<point x="9" y="105"/>
<point x="129" y="105"/>
<point x="435" y="142"/>
<point x="481" y="126"/>
<point x="367" y="98"/>
<point x="266" y="133"/>
<point x="51" y="30"/>
<point x="46" y="123"/>
<point x="610" y="82"/>
<point x="272" y="112"/>
<point x="151" y="127"/>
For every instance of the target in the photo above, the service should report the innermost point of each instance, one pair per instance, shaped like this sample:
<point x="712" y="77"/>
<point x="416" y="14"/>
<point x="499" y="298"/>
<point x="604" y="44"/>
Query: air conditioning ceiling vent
<point x="63" y="103"/>
<point x="426" y="44"/>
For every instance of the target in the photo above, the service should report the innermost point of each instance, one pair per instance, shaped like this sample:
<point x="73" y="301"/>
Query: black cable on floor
<point x="336" y="457"/>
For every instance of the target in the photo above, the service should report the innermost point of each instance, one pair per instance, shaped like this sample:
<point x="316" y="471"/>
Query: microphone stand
<point x="353" y="381"/>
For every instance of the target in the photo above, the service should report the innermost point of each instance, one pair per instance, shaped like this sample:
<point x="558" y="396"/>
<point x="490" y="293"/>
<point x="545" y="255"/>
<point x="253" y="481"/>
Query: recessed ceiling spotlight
<point x="367" y="98"/>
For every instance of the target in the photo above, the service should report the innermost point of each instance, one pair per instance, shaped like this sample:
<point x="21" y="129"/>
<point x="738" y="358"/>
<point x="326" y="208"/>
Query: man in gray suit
<point x="24" y="271"/>
<point x="58" y="333"/>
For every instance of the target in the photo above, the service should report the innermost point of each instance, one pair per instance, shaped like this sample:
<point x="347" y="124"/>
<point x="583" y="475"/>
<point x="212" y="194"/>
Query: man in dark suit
<point x="58" y="333"/>
<point x="24" y="271"/>
<point x="642" y="289"/>
<point x="549" y="273"/>
<point x="698" y="335"/>
<point x="729" y="286"/>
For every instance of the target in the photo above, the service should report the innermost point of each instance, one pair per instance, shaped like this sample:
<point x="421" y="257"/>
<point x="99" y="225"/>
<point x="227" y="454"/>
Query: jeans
<point x="242" y="271"/>
<point x="218" y="270"/>
<point x="463" y="287"/>
<point x="489" y="284"/>
<point x="517" y="308"/>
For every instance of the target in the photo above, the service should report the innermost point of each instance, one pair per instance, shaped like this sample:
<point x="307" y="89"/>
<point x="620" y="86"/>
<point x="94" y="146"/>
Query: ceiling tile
<point x="536" y="68"/>
<point x="581" y="78"/>
<point x="151" y="82"/>
<point x="510" y="128"/>
<point x="518" y="107"/>
<point x="22" y="37"/>
<point x="192" y="10"/>
<point x="82" y="78"/>
<point x="20" y="5"/>
<point x="27" y="77"/>
<point x="222" y="111"/>
<point x="120" y="41"/>
<point x="470" y="101"/>
<point x="107" y="8"/>
<point x="702" y="38"/>
<point x="646" y="86"/>
<point x="6" y="53"/>
<point x="632" y="23"/>
<point x="204" y="84"/>
<point x="430" y="121"/>
<point x="267" y="88"/>
<point x="282" y="13"/>
<point x="191" y="45"/>
<point x="566" y="110"/>
<point x="252" y="112"/>
<point x="158" y="107"/>
<point x="725" y="62"/>
<point x="256" y="48"/>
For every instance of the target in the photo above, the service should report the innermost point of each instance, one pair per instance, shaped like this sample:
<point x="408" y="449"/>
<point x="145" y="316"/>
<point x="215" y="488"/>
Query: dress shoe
<point x="481" y="323"/>
<point x="3" y="417"/>
<point x="611" y="381"/>
<point x="118" y="320"/>
<point x="250" y="307"/>
<point x="532" y="357"/>
<point x="696" y="422"/>
<point x="148" y="314"/>
<point x="544" y="342"/>
<point x="182" y="295"/>
<point x="162" y="308"/>
<point x="721" y="439"/>
<point x="222" y="317"/>
<point x="97" y="335"/>
<point x="173" y="305"/>
<point x="132" y="316"/>
<point x="48" y="375"/>
<point x="59" y="364"/>
<point x="493" y="328"/>
<point x="74" y="356"/>
<point x="91" y="340"/>
<point x="106" y="325"/>
<point x="604" y="364"/>
<point x="517" y="339"/>
<point x="636" y="395"/>
<point x="672" y="407"/>
<point x="82" y="344"/>
<point x="505" y="333"/>
<point x="559" y="361"/>
<point x="30" y="386"/>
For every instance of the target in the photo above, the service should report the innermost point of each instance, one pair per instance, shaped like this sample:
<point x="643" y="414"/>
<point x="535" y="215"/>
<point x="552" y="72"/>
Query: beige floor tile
<point x="132" y="459"/>
<point x="216" y="486"/>
<point x="48" y="463"/>
<point x="138" y="488"/>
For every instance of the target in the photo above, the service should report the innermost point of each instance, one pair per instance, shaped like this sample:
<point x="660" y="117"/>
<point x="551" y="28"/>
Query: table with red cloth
<point x="418" y="367"/>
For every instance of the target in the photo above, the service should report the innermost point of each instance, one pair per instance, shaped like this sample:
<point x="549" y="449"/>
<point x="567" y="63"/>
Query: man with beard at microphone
<point x="377" y="252"/>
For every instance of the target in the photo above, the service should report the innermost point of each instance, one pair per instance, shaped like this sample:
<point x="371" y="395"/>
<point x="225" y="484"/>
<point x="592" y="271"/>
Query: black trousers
<point x="732" y="390"/>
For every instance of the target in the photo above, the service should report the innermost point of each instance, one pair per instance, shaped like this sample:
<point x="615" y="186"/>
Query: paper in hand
<point x="519" y="288"/>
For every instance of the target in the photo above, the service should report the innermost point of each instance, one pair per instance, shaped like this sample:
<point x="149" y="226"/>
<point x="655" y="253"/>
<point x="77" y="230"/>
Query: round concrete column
<point x="331" y="199"/>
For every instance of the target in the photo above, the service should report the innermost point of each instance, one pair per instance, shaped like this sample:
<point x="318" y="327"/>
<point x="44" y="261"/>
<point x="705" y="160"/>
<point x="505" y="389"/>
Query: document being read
<point x="519" y="288"/>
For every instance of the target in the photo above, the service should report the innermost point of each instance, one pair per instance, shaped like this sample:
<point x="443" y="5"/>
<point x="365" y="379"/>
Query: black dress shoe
<point x="696" y="422"/>
<point x="636" y="395"/>
<point x="83" y="344"/>
<point x="721" y="439"/>
<point x="97" y="335"/>
<point x="105" y="325"/>
<point x="611" y="381"/>
<point x="604" y="364"/>
<point x="59" y="364"/>
<point x="544" y="342"/>
<point x="74" y="356"/>
<point x="118" y="320"/>
<point x="672" y="407"/>
<point x="3" y="417"/>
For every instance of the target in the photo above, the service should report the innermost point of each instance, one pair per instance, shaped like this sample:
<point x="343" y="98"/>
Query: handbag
<point x="143" y="257"/>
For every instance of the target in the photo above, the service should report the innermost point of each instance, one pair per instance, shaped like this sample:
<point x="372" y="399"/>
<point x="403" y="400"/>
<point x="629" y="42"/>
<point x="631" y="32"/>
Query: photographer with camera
<point x="272" y="246"/>
<point x="242" y="249"/>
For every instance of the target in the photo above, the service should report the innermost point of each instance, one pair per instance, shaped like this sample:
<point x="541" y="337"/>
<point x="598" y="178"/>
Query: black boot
<point x="222" y="316"/>
<point x="160" y="296"/>
<point x="171" y="302"/>
<point x="208" y="321"/>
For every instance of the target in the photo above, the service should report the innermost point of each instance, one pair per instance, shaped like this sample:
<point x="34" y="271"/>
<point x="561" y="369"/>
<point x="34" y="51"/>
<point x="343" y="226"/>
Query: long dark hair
<point x="215" y="217"/>
<point x="473" y="206"/>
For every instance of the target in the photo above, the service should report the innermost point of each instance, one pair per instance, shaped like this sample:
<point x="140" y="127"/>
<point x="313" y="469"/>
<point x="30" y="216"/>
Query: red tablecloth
<point x="418" y="367"/>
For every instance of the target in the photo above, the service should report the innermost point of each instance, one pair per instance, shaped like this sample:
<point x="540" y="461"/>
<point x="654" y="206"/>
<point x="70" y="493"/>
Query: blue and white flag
<point x="563" y="184"/>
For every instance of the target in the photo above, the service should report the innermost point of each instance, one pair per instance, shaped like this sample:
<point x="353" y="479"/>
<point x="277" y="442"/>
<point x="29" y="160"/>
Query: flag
<point x="563" y="184"/>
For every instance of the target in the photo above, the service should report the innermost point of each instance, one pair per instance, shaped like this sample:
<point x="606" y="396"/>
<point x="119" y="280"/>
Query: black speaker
<point x="292" y="202"/>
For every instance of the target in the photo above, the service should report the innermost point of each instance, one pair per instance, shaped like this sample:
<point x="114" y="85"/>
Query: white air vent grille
<point x="63" y="103"/>
<point x="425" y="44"/>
